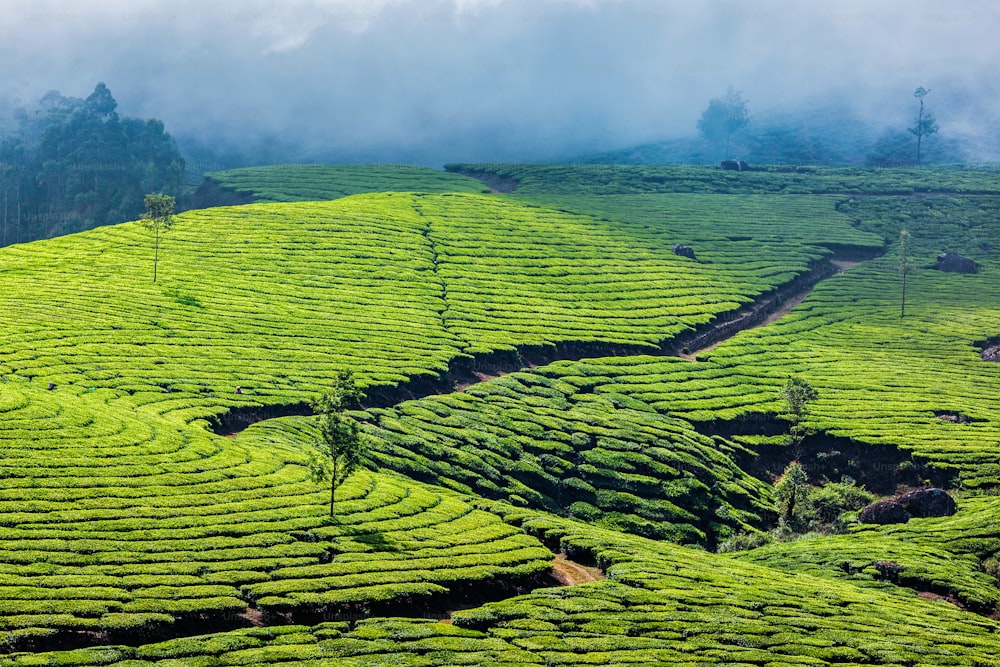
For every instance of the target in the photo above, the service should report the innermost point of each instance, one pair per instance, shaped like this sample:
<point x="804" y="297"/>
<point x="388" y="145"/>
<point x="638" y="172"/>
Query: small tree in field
<point x="797" y="395"/>
<point x="158" y="218"/>
<point x="905" y="267"/>
<point x="791" y="492"/>
<point x="340" y="449"/>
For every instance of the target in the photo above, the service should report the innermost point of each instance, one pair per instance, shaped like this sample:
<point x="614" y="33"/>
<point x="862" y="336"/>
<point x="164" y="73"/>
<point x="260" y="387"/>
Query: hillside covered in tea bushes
<point x="527" y="394"/>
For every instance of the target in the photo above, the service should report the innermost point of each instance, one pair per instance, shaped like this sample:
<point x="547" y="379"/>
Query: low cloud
<point x="431" y="81"/>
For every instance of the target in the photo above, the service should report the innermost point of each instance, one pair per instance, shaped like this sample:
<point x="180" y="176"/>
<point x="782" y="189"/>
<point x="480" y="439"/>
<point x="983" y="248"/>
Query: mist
<point x="435" y="81"/>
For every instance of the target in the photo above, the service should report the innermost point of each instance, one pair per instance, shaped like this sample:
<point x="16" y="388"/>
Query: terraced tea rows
<point x="552" y="444"/>
<point x="944" y="556"/>
<point x="661" y="603"/>
<point x="121" y="516"/>
<point x="118" y="525"/>
<point x="319" y="182"/>
<point x="881" y="381"/>
<point x="275" y="298"/>
<point x="524" y="276"/>
<point x="728" y="230"/>
<point x="537" y="179"/>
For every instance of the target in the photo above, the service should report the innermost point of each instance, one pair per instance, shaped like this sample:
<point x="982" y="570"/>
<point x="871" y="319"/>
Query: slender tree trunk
<point x="902" y="303"/>
<point x="333" y="486"/>
<point x="920" y="129"/>
<point x="156" y="252"/>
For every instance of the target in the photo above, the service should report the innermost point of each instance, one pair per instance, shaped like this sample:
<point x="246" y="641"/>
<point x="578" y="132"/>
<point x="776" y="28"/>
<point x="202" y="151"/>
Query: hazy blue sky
<point x="451" y="80"/>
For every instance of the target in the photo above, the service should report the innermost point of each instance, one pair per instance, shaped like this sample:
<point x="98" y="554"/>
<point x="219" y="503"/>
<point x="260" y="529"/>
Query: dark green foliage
<point x="633" y="469"/>
<point x="790" y="492"/>
<point x="75" y="164"/>
<point x="797" y="394"/>
<point x="829" y="502"/>
<point x="340" y="449"/>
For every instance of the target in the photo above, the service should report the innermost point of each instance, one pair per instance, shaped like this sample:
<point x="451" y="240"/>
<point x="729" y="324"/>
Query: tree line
<point x="728" y="115"/>
<point x="73" y="164"/>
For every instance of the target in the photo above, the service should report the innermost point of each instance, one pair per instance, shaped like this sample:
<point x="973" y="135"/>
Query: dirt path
<point x="570" y="573"/>
<point x="786" y="307"/>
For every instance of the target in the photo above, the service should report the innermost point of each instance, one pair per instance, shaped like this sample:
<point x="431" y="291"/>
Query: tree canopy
<point x="74" y="164"/>
<point x="340" y="449"/>
<point x="158" y="218"/>
<point x="723" y="117"/>
<point x="925" y="124"/>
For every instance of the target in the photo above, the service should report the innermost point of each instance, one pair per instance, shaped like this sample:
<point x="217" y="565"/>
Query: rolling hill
<point x="524" y="398"/>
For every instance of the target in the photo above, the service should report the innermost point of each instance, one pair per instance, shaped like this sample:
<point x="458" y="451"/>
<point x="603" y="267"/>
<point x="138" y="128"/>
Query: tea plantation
<point x="142" y="523"/>
<point x="314" y="182"/>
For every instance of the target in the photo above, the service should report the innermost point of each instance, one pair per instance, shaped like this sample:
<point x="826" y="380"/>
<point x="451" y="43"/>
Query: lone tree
<point x="905" y="267"/>
<point x="797" y="395"/>
<point x="925" y="124"/>
<point x="791" y="492"/>
<point x="723" y="117"/>
<point x="158" y="218"/>
<point x="340" y="449"/>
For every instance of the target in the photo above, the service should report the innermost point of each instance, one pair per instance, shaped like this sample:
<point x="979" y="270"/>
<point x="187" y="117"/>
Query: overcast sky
<point x="452" y="80"/>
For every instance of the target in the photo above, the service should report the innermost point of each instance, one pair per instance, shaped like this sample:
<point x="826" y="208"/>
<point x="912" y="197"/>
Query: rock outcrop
<point x="953" y="263"/>
<point x="920" y="503"/>
<point x="928" y="502"/>
<point x="884" y="511"/>
<point x="684" y="251"/>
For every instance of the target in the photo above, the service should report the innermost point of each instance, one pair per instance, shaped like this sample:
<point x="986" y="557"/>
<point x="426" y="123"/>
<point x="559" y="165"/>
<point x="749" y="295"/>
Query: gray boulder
<point x="928" y="502"/>
<point x="884" y="511"/>
<point x="953" y="263"/>
<point x="684" y="251"/>
<point x="734" y="165"/>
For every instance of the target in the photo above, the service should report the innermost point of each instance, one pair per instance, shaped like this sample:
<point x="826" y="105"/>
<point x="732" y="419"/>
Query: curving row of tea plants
<point x="536" y="276"/>
<point x="276" y="298"/>
<point x="124" y="525"/>
<point x="554" y="444"/>
<point x="941" y="556"/>
<point x="662" y="604"/>
<point x="123" y="519"/>
<point x="318" y="182"/>
<point x="143" y="519"/>
<point x="597" y="179"/>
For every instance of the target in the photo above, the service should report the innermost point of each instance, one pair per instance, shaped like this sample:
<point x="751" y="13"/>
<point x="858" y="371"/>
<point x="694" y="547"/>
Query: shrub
<point x="830" y="501"/>
<point x="745" y="541"/>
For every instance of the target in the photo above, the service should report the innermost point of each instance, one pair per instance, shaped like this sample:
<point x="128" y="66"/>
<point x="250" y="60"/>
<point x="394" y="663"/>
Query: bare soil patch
<point x="570" y="573"/>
